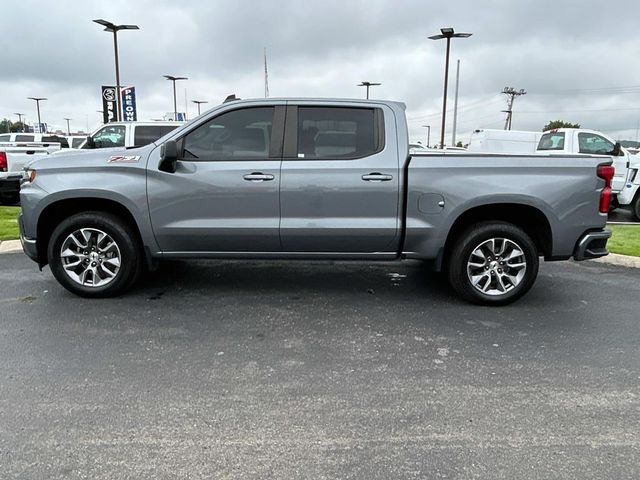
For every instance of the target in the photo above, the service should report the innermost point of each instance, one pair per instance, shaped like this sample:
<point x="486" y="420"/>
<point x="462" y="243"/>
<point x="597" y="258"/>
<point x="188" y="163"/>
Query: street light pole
<point x="199" y="102"/>
<point x="38" y="100"/>
<point x="455" y="106"/>
<point x="20" y="115"/>
<point x="111" y="27"/>
<point x="448" y="34"/>
<point x="368" y="85"/>
<point x="428" y="127"/>
<point x="68" y="128"/>
<point x="175" y="103"/>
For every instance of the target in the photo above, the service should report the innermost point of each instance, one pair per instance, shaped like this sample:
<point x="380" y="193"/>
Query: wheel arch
<point x="530" y="218"/>
<point x="58" y="210"/>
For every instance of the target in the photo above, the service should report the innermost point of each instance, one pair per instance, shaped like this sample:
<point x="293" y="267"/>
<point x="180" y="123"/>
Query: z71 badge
<point x="124" y="159"/>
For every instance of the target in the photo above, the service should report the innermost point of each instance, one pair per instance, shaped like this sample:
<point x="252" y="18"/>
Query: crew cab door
<point x="224" y="194"/>
<point x="340" y="180"/>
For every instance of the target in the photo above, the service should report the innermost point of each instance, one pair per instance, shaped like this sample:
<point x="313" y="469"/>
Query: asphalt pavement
<point x="319" y="370"/>
<point x="622" y="216"/>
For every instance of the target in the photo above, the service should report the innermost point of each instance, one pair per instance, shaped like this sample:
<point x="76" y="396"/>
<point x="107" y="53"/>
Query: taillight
<point x="3" y="162"/>
<point x="605" y="172"/>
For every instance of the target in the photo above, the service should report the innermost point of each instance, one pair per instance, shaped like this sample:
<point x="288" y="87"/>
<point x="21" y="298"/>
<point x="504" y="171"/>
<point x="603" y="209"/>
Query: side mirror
<point x="90" y="143"/>
<point x="168" y="157"/>
<point x="617" y="150"/>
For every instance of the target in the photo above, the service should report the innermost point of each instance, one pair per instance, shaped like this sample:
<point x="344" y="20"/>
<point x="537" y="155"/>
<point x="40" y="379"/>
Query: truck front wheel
<point x="635" y="207"/>
<point x="492" y="263"/>
<point x="94" y="254"/>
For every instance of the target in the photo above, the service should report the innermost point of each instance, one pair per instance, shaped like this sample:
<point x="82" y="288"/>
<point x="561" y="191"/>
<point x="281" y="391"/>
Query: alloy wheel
<point x="496" y="266"/>
<point x="90" y="257"/>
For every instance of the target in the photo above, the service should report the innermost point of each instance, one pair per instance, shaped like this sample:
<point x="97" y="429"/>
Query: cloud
<point x="558" y="51"/>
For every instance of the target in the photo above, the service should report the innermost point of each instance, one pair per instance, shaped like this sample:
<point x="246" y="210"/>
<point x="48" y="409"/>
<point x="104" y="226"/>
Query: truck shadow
<point x="410" y="281"/>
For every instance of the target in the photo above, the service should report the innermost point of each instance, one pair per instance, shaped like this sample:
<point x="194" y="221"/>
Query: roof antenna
<point x="231" y="98"/>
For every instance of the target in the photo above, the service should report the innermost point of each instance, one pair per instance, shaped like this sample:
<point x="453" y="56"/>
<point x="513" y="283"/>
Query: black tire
<point x="122" y="234"/>
<point x="635" y="208"/>
<point x="469" y="241"/>
<point x="10" y="199"/>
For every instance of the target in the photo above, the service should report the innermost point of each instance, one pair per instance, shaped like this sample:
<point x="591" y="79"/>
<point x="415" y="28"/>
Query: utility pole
<point x="511" y="94"/>
<point x="266" y="75"/>
<point x="455" y="106"/>
<point x="368" y="85"/>
<point x="68" y="128"/>
<point x="428" y="127"/>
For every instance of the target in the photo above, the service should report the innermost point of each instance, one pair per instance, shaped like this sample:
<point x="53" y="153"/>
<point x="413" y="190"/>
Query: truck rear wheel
<point x="94" y="254"/>
<point x="493" y="263"/>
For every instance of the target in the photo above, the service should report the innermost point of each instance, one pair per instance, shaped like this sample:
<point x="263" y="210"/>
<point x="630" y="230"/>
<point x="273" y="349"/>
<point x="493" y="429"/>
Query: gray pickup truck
<point x="311" y="179"/>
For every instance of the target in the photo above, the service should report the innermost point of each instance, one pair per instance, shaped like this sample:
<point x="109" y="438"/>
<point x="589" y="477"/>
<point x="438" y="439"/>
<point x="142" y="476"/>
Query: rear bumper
<point x="29" y="245"/>
<point x="592" y="245"/>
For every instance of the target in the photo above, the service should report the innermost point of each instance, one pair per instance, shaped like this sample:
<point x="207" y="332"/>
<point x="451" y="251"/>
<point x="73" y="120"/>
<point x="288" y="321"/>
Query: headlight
<point x="29" y="175"/>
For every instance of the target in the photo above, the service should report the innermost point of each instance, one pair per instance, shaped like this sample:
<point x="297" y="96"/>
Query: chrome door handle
<point x="377" y="177"/>
<point x="258" y="177"/>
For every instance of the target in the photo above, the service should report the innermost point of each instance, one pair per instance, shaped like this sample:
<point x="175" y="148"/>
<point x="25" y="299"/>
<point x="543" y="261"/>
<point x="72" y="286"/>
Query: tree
<point x="559" y="124"/>
<point x="5" y="125"/>
<point x="17" y="127"/>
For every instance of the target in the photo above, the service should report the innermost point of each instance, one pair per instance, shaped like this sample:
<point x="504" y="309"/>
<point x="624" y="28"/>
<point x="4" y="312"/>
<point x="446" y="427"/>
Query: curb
<point x="10" y="246"/>
<point x="617" y="259"/>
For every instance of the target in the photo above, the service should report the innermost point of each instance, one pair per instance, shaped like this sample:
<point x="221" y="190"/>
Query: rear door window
<point x="5" y="138"/>
<point x="552" y="141"/>
<point x="55" y="139"/>
<point x="338" y="132"/>
<point x="146" y="134"/>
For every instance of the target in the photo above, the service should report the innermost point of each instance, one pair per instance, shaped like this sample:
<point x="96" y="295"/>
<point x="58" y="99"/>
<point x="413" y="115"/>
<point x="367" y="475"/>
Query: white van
<point x="503" y="141"/>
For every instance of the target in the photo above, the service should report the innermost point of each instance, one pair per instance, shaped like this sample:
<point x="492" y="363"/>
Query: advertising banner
<point x="109" y="104"/>
<point x="129" y="112"/>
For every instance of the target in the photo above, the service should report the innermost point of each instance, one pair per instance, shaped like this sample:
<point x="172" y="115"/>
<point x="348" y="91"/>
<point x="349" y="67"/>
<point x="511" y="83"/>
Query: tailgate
<point x="17" y="160"/>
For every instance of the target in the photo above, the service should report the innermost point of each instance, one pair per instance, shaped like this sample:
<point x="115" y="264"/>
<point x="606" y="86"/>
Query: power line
<point x="581" y="110"/>
<point x="600" y="90"/>
<point x="468" y="106"/>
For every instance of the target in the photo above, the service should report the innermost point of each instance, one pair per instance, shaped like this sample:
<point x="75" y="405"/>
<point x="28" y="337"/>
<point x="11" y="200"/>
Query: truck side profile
<point x="311" y="179"/>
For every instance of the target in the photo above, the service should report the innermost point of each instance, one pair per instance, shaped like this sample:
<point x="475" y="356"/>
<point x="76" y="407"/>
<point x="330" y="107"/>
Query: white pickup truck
<point x="580" y="141"/>
<point x="128" y="134"/>
<point x="14" y="156"/>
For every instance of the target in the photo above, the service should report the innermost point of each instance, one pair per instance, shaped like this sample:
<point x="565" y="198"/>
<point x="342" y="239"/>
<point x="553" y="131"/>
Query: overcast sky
<point x="578" y="60"/>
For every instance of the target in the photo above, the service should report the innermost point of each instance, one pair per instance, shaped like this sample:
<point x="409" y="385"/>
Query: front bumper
<point x="592" y="245"/>
<point x="29" y="245"/>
